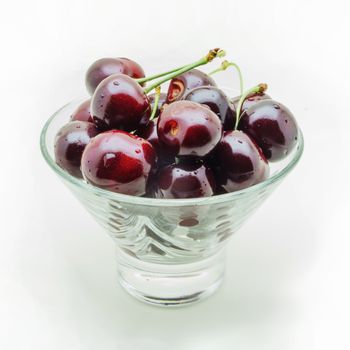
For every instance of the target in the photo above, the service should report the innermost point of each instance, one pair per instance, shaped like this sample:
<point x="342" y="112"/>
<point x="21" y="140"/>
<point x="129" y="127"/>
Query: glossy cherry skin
<point x="119" y="162"/>
<point x="82" y="113"/>
<point x="272" y="126"/>
<point x="217" y="101"/>
<point x="70" y="143"/>
<point x="241" y="162"/>
<point x="250" y="100"/>
<point x="105" y="67"/>
<point x="135" y="69"/>
<point x="150" y="133"/>
<point x="187" y="128"/>
<point x="161" y="102"/>
<point x="119" y="102"/>
<point x="151" y="184"/>
<point x="185" y="82"/>
<point x="220" y="190"/>
<point x="185" y="181"/>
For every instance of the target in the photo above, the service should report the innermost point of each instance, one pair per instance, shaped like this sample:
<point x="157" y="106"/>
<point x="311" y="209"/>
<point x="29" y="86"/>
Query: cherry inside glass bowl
<point x="170" y="251"/>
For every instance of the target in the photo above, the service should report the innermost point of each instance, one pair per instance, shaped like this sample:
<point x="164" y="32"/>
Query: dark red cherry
<point x="185" y="82"/>
<point x="241" y="162"/>
<point x="272" y="126"/>
<point x="187" y="128"/>
<point x="119" y="102"/>
<point x="105" y="67"/>
<point x="70" y="143"/>
<point x="82" y="112"/>
<point x="162" y="99"/>
<point x="149" y="133"/>
<point x="119" y="162"/>
<point x="217" y="101"/>
<point x="151" y="185"/>
<point x="185" y="181"/>
<point x="250" y="100"/>
<point x="220" y="190"/>
<point x="135" y="69"/>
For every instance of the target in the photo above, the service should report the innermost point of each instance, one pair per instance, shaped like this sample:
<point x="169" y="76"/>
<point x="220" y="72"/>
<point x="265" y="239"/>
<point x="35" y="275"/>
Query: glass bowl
<point x="169" y="251"/>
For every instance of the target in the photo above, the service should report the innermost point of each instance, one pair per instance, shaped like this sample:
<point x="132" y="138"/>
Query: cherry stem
<point x="204" y="60"/>
<point x="256" y="89"/>
<point x="159" y="75"/>
<point x="224" y="65"/>
<point x="156" y="101"/>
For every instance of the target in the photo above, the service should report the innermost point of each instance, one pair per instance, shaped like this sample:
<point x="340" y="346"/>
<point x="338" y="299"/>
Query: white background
<point x="287" y="283"/>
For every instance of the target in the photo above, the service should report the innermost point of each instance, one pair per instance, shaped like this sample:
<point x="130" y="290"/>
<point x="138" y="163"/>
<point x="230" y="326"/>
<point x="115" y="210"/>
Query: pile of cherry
<point x="193" y="141"/>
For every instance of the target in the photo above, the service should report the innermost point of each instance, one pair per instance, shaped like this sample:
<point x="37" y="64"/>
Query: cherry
<point x="241" y="162"/>
<point x="162" y="99"/>
<point x="187" y="128"/>
<point x="119" y="162"/>
<point x="151" y="185"/>
<point x="149" y="133"/>
<point x="137" y="71"/>
<point x="185" y="181"/>
<point x="185" y="82"/>
<point x="70" y="143"/>
<point x="105" y="67"/>
<point x="250" y="100"/>
<point x="82" y="112"/>
<point x="220" y="190"/>
<point x="119" y="102"/>
<point x="217" y="101"/>
<point x="272" y="126"/>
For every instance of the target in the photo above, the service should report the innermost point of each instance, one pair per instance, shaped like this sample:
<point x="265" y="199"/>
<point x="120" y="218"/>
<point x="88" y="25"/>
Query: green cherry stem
<point x="156" y="101"/>
<point x="159" y="75"/>
<point x="256" y="89"/>
<point x="224" y="65"/>
<point x="204" y="60"/>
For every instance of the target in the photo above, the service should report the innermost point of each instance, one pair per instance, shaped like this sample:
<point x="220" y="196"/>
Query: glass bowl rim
<point x="146" y="201"/>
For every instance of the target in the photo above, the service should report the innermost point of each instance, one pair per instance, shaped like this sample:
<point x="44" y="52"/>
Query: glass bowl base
<point x="170" y="285"/>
